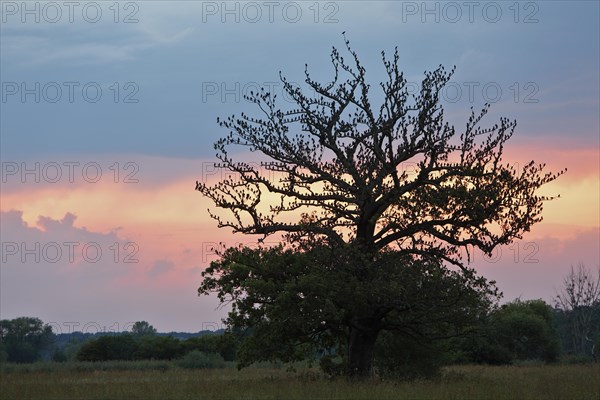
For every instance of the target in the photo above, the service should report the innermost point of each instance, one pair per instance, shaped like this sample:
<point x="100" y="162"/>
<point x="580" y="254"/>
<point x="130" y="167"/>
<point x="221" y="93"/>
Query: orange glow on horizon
<point x="170" y="219"/>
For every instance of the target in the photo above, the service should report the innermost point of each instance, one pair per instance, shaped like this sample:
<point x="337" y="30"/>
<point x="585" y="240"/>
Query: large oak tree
<point x="337" y="163"/>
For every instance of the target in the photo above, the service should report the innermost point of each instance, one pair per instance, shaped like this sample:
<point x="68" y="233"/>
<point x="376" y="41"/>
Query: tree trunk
<point x="361" y="350"/>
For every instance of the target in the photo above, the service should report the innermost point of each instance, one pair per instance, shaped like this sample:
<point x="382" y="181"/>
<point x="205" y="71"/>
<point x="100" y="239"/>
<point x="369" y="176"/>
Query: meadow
<point x="164" y="380"/>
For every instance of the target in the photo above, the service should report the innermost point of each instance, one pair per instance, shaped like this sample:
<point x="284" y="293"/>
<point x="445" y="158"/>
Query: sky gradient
<point x="108" y="116"/>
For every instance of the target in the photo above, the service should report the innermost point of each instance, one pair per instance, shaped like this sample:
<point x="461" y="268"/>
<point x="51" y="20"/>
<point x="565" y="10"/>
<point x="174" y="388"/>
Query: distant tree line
<point x="23" y="339"/>
<point x="27" y="339"/>
<point x="516" y="331"/>
<point x="152" y="347"/>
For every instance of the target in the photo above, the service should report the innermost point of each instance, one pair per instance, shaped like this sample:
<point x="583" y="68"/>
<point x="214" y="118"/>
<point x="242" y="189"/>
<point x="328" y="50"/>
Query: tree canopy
<point x="300" y="305"/>
<point x="143" y="328"/>
<point x="23" y="339"/>
<point x="519" y="330"/>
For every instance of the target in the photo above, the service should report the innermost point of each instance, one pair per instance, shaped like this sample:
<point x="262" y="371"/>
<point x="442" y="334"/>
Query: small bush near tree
<point x="517" y="331"/>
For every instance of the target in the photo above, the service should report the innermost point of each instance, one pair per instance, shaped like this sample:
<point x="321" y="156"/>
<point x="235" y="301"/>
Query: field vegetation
<point x="169" y="380"/>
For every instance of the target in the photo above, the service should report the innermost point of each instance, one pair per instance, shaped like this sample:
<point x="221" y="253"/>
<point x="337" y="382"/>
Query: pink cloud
<point x="47" y="273"/>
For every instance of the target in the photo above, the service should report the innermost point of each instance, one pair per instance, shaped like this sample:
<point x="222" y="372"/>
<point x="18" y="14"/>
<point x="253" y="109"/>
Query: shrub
<point x="59" y="356"/>
<point x="224" y="344"/>
<point x="517" y="331"/>
<point x="158" y="348"/>
<point x="120" y="347"/>
<point x="196" y="359"/>
<point x="524" y="329"/>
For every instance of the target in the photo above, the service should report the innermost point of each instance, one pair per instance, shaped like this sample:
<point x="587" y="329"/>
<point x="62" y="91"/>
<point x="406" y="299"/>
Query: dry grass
<point x="460" y="382"/>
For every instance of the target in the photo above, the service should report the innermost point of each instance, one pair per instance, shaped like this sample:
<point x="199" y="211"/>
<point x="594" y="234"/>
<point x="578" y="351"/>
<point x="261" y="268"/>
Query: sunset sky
<point x="108" y="118"/>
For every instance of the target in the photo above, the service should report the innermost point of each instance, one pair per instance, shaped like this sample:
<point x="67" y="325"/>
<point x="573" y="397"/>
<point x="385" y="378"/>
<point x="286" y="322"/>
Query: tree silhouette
<point x="579" y="300"/>
<point x="143" y="328"/>
<point x="342" y="179"/>
<point x="23" y="339"/>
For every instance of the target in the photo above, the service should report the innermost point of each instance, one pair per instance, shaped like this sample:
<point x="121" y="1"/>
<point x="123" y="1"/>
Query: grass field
<point x="161" y="381"/>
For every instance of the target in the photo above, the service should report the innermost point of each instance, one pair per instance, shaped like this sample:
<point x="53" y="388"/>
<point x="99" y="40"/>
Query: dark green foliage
<point x="23" y="339"/>
<point x="110" y="347"/>
<point x="204" y="343"/>
<point x="143" y="328"/>
<point x="520" y="330"/>
<point x="482" y="348"/>
<point x="3" y="353"/>
<point x="59" y="356"/>
<point x="22" y="352"/>
<point x="158" y="348"/>
<point x="228" y="346"/>
<point x="223" y="344"/>
<point x="197" y="359"/>
<point x="525" y="329"/>
<point x="293" y="305"/>
<point x="149" y="347"/>
<point x="71" y="347"/>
